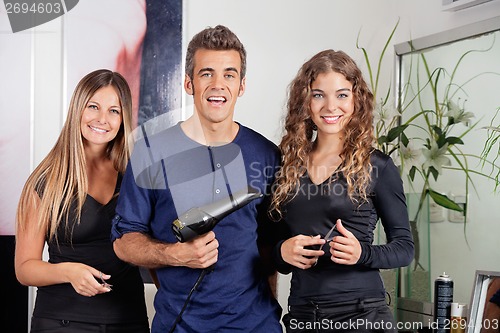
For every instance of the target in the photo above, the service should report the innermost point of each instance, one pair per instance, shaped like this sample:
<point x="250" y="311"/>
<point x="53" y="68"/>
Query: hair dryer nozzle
<point x="200" y="220"/>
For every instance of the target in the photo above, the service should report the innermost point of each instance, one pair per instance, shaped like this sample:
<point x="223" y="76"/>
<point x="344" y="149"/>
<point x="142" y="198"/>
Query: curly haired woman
<point x="332" y="179"/>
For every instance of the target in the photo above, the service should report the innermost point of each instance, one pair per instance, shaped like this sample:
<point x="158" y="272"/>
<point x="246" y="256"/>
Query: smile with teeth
<point x="216" y="99"/>
<point x="98" y="130"/>
<point x="331" y="119"/>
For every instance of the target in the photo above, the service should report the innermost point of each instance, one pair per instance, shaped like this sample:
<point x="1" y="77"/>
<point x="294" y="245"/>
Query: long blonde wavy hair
<point x="297" y="143"/>
<point x="61" y="177"/>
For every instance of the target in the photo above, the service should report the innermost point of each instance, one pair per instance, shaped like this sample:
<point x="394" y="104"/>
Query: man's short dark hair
<point x="219" y="38"/>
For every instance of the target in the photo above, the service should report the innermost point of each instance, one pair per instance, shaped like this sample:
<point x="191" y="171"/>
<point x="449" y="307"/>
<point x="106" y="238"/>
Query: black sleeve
<point x="268" y="231"/>
<point x="281" y="265"/>
<point x="266" y="237"/>
<point x="390" y="203"/>
<point x="282" y="233"/>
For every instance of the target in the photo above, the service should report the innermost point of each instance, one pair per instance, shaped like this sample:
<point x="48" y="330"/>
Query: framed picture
<point x="140" y="39"/>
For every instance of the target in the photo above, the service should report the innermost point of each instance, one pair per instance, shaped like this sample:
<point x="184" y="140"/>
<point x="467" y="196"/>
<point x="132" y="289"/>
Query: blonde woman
<point x="68" y="202"/>
<point x="332" y="189"/>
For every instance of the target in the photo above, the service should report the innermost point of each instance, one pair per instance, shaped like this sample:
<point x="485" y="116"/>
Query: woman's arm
<point x="390" y="203"/>
<point x="32" y="270"/>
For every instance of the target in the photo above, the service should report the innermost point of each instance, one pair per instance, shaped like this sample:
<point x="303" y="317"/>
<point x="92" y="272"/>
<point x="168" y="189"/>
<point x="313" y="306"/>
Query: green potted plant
<point x="426" y="133"/>
<point x="493" y="139"/>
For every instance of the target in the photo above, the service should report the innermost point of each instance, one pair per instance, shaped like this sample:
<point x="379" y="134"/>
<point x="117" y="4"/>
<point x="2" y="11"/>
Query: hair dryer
<point x="200" y="220"/>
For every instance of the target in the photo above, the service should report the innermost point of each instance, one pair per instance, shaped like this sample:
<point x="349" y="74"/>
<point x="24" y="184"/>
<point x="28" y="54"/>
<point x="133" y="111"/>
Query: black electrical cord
<point x="196" y="284"/>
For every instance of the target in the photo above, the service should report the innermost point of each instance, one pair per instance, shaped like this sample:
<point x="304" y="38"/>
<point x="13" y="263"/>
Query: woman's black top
<point x="316" y="208"/>
<point x="89" y="243"/>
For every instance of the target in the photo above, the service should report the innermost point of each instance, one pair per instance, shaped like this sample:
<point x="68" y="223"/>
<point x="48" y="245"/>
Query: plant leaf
<point x="453" y="140"/>
<point x="404" y="139"/>
<point x="434" y="172"/>
<point x="382" y="139"/>
<point x="437" y="130"/>
<point x="441" y="141"/>
<point x="395" y="132"/>
<point x="444" y="201"/>
<point x="412" y="173"/>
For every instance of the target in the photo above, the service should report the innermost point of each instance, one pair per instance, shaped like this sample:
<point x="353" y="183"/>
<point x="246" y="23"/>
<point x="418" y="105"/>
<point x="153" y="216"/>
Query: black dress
<point x="316" y="208"/>
<point x="88" y="242"/>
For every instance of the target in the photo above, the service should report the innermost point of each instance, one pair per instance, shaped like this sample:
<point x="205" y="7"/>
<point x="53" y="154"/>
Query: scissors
<point x="329" y="236"/>
<point x="104" y="283"/>
<point x="327" y="239"/>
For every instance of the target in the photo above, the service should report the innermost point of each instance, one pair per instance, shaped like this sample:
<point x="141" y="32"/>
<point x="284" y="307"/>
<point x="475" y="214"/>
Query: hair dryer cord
<point x="196" y="284"/>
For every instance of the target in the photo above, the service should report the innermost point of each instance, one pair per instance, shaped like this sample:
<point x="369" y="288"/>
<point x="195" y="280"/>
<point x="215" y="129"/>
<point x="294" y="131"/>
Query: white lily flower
<point x="384" y="113"/>
<point x="435" y="157"/>
<point x="458" y="114"/>
<point x="410" y="156"/>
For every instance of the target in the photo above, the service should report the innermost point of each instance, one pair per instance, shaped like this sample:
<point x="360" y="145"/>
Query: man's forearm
<point x="141" y="250"/>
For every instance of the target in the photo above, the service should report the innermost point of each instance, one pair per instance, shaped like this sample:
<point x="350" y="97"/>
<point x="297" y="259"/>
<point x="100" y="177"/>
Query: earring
<point x="315" y="128"/>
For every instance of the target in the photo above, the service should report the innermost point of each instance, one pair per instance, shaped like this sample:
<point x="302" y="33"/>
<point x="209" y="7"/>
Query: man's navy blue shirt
<point x="167" y="175"/>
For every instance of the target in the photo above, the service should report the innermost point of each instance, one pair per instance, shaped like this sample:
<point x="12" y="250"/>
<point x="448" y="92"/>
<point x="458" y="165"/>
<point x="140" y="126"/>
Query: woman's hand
<point x="345" y="249"/>
<point x="293" y="251"/>
<point x="86" y="280"/>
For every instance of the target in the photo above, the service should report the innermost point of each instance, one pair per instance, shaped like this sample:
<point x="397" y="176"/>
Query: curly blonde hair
<point x="298" y="142"/>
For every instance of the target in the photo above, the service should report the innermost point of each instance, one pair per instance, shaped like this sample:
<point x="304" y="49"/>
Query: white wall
<point x="279" y="36"/>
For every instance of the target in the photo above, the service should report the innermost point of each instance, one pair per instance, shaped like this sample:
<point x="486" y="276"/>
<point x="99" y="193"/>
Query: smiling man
<point x="205" y="159"/>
